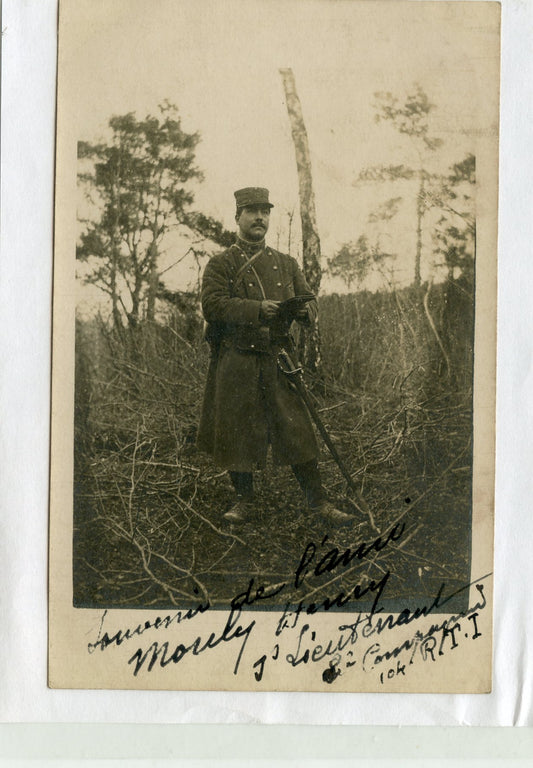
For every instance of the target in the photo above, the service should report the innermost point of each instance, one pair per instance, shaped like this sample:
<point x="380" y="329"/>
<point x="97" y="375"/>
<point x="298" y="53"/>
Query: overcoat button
<point x="275" y="266"/>
<point x="251" y="285"/>
<point x="279" y="285"/>
<point x="252" y="346"/>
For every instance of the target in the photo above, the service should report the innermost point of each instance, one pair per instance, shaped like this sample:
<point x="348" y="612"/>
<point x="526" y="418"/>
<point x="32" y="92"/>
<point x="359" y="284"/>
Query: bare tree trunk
<point x="152" y="283"/>
<point x="420" y="207"/>
<point x="117" y="322"/>
<point x="310" y="239"/>
<point x="115" y="239"/>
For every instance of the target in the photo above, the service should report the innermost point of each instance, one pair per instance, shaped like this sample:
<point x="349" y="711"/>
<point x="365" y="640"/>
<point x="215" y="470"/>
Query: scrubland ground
<point x="394" y="389"/>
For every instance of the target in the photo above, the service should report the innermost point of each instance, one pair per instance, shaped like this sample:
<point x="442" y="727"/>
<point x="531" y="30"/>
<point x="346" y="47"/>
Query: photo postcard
<point x="274" y="345"/>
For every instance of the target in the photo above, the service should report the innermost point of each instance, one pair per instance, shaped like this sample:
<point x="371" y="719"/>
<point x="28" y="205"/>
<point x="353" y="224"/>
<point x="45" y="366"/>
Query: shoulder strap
<point x="247" y="265"/>
<point x="259" y="283"/>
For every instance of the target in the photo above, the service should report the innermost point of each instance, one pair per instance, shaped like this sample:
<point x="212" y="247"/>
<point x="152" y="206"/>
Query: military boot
<point x="241" y="511"/>
<point x="331" y="514"/>
<point x="308" y="476"/>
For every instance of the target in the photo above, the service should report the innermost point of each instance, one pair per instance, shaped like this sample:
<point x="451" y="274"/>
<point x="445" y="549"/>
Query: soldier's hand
<point x="268" y="310"/>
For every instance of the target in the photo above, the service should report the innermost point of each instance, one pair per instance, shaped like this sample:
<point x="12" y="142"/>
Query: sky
<point x="219" y="61"/>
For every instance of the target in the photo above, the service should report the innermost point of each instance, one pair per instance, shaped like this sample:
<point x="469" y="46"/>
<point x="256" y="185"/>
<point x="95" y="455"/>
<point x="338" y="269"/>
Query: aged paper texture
<point x="374" y="128"/>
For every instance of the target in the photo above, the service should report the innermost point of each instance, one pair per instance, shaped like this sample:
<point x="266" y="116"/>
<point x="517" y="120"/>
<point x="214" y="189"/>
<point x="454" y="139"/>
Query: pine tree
<point x="137" y="183"/>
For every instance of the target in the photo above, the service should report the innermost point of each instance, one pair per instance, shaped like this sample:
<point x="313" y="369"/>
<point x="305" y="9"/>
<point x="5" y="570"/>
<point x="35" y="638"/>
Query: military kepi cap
<point x="252" y="196"/>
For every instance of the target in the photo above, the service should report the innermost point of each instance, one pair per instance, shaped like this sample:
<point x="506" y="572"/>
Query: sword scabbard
<point x="295" y="375"/>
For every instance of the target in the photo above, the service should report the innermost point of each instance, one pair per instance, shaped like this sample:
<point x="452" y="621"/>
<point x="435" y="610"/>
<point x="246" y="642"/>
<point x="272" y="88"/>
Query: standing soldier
<point x="249" y="403"/>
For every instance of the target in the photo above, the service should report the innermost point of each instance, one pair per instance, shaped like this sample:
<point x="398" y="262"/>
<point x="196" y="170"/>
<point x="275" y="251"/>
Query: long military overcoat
<point x="248" y="402"/>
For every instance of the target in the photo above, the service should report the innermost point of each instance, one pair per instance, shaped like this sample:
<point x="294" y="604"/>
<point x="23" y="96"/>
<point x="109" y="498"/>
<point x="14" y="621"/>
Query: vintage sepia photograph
<point x="274" y="345"/>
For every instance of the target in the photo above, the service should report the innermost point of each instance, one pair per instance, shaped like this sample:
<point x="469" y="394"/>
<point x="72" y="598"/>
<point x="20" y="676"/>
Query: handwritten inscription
<point x="341" y="649"/>
<point x="104" y="640"/>
<point x="163" y="655"/>
<point x="334" y="558"/>
<point x="364" y="643"/>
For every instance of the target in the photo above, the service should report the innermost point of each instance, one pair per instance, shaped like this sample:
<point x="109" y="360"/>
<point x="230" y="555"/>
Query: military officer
<point x="249" y="403"/>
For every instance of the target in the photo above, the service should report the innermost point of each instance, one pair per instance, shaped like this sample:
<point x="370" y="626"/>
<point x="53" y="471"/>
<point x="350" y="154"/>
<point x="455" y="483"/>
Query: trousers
<point x="307" y="475"/>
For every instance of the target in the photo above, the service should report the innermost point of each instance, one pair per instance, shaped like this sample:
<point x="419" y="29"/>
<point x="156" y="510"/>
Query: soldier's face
<point x="253" y="221"/>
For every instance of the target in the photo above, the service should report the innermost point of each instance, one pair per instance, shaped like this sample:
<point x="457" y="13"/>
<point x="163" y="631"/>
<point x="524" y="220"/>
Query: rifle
<point x="295" y="374"/>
